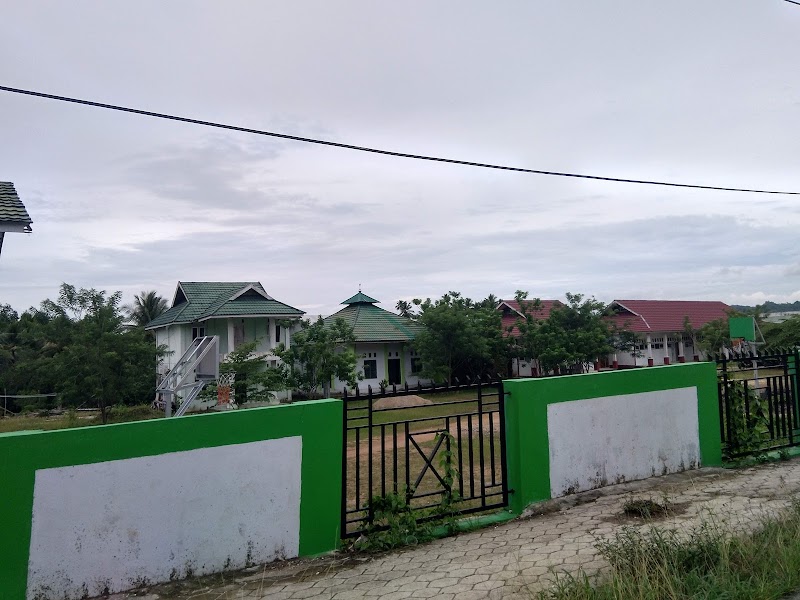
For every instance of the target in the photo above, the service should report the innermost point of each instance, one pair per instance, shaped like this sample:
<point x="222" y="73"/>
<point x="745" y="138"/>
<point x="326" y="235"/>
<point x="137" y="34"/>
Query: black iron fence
<point x="758" y="401"/>
<point x="424" y="445"/>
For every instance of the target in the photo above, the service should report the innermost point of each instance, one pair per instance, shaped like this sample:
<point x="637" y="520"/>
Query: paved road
<point x="507" y="561"/>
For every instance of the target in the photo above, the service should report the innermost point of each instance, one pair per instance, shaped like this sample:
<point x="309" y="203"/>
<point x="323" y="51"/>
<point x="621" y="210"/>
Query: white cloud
<point x="124" y="202"/>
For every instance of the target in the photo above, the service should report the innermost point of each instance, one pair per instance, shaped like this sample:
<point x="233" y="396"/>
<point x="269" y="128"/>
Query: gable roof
<point x="196" y="301"/>
<point x="644" y="316"/>
<point x="512" y="311"/>
<point x="371" y="323"/>
<point x="12" y="210"/>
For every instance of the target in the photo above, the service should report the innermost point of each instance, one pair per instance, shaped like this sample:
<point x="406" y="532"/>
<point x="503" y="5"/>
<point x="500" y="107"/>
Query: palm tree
<point x="146" y="307"/>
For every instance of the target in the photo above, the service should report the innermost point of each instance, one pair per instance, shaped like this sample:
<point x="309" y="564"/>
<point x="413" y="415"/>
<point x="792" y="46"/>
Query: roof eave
<point x="504" y="303"/>
<point x="252" y="316"/>
<point x="16" y="226"/>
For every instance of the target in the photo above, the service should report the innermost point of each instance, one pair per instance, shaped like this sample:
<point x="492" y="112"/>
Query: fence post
<point x="795" y="366"/>
<point x="343" y="508"/>
<point x="725" y="400"/>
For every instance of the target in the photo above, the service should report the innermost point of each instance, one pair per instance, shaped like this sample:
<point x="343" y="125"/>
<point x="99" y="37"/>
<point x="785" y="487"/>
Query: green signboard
<point x="742" y="328"/>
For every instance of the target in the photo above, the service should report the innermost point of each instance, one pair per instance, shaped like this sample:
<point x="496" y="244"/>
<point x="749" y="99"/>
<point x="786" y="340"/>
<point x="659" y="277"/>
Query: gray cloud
<point x="124" y="202"/>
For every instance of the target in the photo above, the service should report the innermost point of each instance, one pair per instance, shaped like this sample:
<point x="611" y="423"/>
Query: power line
<point x="453" y="161"/>
<point x="793" y="2"/>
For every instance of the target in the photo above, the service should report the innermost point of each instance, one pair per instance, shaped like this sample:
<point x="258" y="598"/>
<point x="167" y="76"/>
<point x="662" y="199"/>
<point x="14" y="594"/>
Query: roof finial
<point x="359" y="288"/>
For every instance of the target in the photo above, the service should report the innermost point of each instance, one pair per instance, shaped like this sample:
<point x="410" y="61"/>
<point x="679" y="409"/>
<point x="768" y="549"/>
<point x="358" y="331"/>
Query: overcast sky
<point x="697" y="91"/>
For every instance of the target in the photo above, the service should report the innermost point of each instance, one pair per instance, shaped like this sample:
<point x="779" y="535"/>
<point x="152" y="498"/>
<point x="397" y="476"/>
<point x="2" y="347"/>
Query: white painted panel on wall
<point x="110" y="526"/>
<point x="607" y="440"/>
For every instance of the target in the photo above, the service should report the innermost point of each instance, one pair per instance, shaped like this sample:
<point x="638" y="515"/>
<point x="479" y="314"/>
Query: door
<point x="394" y="371"/>
<point x="238" y="334"/>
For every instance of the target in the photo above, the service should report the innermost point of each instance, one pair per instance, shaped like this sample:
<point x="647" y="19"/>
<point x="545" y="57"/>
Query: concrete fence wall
<point x="573" y="433"/>
<point x="98" y="510"/>
<point x="103" y="509"/>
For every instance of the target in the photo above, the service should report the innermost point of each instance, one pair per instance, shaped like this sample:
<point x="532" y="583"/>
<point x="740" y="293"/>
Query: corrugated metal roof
<point x="212" y="299"/>
<point x="11" y="207"/>
<point x="643" y="316"/>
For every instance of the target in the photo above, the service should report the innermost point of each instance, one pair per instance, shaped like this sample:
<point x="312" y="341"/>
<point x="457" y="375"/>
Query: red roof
<point x="644" y="316"/>
<point x="512" y="312"/>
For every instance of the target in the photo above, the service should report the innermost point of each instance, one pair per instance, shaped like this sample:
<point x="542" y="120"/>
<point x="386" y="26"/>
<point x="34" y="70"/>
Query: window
<point x="370" y="369"/>
<point x="198" y="332"/>
<point x="416" y="365"/>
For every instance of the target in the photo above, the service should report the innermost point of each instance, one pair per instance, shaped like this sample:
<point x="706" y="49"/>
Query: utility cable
<point x="453" y="161"/>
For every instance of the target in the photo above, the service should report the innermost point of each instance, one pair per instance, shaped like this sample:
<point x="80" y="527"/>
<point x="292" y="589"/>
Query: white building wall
<point x="660" y="346"/>
<point x="380" y="352"/>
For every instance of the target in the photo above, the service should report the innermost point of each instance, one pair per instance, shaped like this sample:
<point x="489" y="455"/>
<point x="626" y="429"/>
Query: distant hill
<point x="770" y="307"/>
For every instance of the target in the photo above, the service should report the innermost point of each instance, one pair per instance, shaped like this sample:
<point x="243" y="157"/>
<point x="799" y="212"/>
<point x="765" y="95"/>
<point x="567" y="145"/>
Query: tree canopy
<point x="318" y="353"/>
<point x="573" y="335"/>
<point x="460" y="338"/>
<point x="785" y="334"/>
<point x="146" y="307"/>
<point x="76" y="346"/>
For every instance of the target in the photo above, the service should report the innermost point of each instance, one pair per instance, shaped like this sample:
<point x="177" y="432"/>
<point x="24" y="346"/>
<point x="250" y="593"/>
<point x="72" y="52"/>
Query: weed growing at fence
<point x="748" y="422"/>
<point x="709" y="562"/>
<point x="396" y="523"/>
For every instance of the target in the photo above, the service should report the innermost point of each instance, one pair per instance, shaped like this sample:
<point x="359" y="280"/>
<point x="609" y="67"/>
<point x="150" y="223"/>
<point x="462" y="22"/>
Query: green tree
<point x="317" y="354"/>
<point x="525" y="345"/>
<point x="573" y="336"/>
<point x="714" y="335"/>
<point x="460" y="338"/>
<point x="785" y="334"/>
<point x="146" y="307"/>
<point x="255" y="381"/>
<point x="103" y="363"/>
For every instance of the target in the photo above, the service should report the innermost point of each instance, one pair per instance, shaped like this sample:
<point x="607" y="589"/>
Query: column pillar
<point x="649" y="352"/>
<point x="231" y="336"/>
<point x="681" y="351"/>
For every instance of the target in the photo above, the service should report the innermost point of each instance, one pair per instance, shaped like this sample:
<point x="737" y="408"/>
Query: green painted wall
<point x="318" y="422"/>
<point x="527" y="443"/>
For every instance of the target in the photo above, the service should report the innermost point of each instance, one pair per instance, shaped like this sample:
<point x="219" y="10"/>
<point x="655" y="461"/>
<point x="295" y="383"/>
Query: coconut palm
<point x="146" y="307"/>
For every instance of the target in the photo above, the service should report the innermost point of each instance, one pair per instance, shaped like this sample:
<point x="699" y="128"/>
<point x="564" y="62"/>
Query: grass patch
<point x="72" y="418"/>
<point x="711" y="562"/>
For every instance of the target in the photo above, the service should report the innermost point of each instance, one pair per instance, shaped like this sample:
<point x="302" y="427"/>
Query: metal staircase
<point x="198" y="365"/>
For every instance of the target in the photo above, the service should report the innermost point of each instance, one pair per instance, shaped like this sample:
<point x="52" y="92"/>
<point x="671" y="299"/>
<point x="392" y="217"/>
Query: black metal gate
<point x="758" y="401"/>
<point x="423" y="444"/>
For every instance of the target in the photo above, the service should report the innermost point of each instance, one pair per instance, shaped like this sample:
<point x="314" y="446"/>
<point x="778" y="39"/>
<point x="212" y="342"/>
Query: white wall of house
<point x="658" y="345"/>
<point x="179" y="337"/>
<point x="380" y="354"/>
<point x="172" y="337"/>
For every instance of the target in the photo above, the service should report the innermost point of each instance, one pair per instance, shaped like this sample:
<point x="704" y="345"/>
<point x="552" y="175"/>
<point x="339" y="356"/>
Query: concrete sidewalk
<point x="511" y="560"/>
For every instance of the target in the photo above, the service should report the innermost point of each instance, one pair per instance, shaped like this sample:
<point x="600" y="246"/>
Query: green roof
<point x="201" y="300"/>
<point x="373" y="324"/>
<point x="360" y="298"/>
<point x="11" y="207"/>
